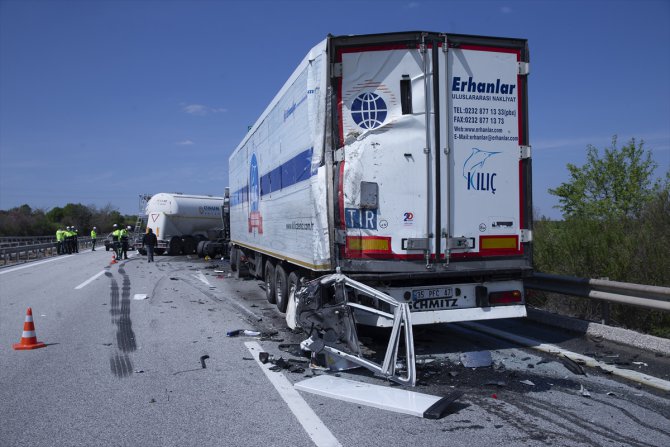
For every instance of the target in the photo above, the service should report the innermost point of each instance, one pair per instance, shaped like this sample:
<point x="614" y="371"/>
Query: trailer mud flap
<point x="324" y="309"/>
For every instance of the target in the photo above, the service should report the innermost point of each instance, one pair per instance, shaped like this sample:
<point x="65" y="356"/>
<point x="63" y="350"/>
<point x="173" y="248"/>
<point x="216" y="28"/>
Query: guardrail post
<point x="605" y="312"/>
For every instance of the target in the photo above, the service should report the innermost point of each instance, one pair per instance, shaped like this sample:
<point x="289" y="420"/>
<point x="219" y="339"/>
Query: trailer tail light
<point x="368" y="246"/>
<point x="505" y="297"/>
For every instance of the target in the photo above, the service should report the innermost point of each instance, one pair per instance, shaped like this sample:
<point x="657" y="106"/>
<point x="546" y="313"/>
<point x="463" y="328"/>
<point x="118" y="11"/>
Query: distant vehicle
<point x="181" y="221"/>
<point x="109" y="241"/>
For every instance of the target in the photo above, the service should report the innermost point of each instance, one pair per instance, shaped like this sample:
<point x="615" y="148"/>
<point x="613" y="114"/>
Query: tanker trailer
<point x="180" y="221"/>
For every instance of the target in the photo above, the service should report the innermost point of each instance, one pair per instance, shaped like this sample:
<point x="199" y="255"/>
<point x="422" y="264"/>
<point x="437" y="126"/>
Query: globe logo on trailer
<point x="368" y="110"/>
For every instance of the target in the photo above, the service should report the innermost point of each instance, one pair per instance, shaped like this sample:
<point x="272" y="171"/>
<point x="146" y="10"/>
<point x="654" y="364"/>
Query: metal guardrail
<point x="30" y="251"/>
<point x="17" y="241"/>
<point x="649" y="297"/>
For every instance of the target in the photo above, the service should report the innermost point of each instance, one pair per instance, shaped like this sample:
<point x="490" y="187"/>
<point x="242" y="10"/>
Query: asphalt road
<point x="120" y="371"/>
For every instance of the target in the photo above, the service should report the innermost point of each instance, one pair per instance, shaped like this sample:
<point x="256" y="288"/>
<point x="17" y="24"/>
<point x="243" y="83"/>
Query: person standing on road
<point x="94" y="238"/>
<point x="149" y="241"/>
<point x="124" y="242"/>
<point x="116" y="241"/>
<point x="75" y="240"/>
<point x="60" y="237"/>
<point x="68" y="241"/>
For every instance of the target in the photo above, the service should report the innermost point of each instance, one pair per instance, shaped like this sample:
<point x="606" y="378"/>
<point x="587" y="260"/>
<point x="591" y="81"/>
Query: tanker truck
<point x="181" y="221"/>
<point x="388" y="183"/>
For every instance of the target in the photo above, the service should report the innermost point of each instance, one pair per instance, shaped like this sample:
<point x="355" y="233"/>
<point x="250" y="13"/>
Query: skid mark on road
<point x="120" y="363"/>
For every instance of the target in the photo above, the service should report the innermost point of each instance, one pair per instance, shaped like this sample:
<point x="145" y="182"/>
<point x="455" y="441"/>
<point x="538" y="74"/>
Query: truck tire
<point x="270" y="282"/>
<point x="189" y="245"/>
<point x="176" y="246"/>
<point x="211" y="249"/>
<point x="200" y="249"/>
<point x="233" y="258"/>
<point x="159" y="251"/>
<point x="241" y="267"/>
<point x="281" y="288"/>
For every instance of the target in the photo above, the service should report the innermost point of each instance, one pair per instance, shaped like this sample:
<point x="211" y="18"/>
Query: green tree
<point x="616" y="226"/>
<point x="616" y="184"/>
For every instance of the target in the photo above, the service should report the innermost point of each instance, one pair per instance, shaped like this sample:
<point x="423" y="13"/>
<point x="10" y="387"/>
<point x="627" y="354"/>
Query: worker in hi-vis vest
<point x="124" y="242"/>
<point x="116" y="241"/>
<point x="94" y="238"/>
<point x="68" y="240"/>
<point x="60" y="238"/>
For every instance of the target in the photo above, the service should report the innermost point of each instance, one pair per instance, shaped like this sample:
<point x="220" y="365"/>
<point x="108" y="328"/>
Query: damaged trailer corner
<point x="326" y="313"/>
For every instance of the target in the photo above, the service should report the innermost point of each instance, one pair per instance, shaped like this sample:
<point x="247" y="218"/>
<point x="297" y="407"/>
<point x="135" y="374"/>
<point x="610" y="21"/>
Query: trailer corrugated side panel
<point x="278" y="180"/>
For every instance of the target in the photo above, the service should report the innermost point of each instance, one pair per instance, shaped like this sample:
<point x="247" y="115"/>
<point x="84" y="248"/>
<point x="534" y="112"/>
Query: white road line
<point x="201" y="277"/>
<point x="556" y="350"/>
<point x="89" y="280"/>
<point x="33" y="264"/>
<point x="314" y="427"/>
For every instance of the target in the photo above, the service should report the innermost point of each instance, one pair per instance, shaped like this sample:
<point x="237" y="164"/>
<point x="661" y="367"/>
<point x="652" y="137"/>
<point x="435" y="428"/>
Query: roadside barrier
<point x="28" y="337"/>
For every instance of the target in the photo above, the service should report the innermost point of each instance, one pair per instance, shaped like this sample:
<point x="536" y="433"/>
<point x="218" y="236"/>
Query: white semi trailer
<point x="398" y="166"/>
<point x="181" y="221"/>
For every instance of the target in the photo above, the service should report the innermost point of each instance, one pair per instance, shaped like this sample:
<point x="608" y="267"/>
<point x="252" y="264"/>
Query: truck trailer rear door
<point x="487" y="187"/>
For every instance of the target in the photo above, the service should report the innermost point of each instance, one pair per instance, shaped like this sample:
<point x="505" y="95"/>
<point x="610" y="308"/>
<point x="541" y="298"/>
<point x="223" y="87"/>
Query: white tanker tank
<point x="180" y="221"/>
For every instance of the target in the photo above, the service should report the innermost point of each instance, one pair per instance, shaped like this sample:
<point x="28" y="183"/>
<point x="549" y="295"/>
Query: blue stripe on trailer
<point x="293" y="171"/>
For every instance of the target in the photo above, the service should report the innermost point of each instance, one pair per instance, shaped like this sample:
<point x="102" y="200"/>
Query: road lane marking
<point x="89" y="280"/>
<point x="315" y="428"/>
<point x="33" y="264"/>
<point x="635" y="376"/>
<point x="200" y="277"/>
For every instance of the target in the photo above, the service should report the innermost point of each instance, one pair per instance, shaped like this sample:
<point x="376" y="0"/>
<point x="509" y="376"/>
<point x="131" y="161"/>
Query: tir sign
<point x="363" y="219"/>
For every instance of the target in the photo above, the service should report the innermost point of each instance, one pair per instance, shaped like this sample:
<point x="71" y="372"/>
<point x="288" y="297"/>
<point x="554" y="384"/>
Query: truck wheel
<point x="199" y="250"/>
<point x="210" y="249"/>
<point x="189" y="245"/>
<point x="176" y="246"/>
<point x="270" y="282"/>
<point x="281" y="288"/>
<point x="293" y="284"/>
<point x="159" y="251"/>
<point x="241" y="270"/>
<point x="233" y="259"/>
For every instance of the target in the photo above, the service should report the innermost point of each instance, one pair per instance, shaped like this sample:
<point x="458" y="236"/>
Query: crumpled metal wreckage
<point x="326" y="308"/>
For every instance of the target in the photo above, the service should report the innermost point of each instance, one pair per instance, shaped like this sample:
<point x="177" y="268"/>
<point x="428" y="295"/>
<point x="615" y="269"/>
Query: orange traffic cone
<point x="28" y="338"/>
<point x="113" y="260"/>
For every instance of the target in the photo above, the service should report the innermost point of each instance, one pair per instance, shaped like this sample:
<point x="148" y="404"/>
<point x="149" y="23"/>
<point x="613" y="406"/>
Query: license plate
<point x="433" y="293"/>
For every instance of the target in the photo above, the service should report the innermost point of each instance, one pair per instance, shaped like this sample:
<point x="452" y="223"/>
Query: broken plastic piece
<point x="377" y="396"/>
<point x="583" y="391"/>
<point x="246" y="332"/>
<point x="140" y="296"/>
<point x="439" y="408"/>
<point x="572" y="366"/>
<point x="476" y="359"/>
<point x="293" y="349"/>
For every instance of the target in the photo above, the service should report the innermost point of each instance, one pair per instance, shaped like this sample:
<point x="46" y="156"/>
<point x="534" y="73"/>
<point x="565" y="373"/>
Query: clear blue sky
<point x="101" y="101"/>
